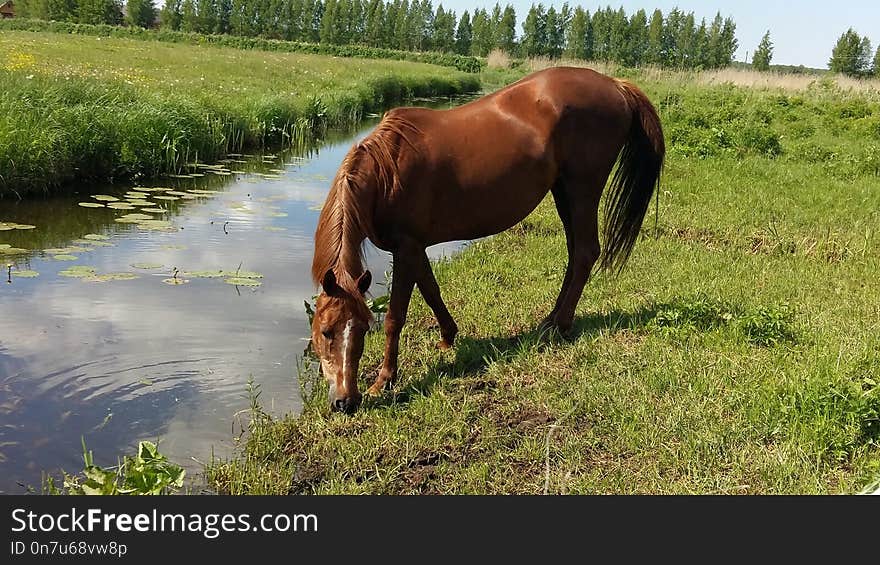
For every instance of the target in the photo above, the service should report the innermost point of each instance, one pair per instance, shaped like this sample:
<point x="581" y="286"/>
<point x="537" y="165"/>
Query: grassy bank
<point x="461" y="62"/>
<point x="737" y="353"/>
<point x="81" y="108"/>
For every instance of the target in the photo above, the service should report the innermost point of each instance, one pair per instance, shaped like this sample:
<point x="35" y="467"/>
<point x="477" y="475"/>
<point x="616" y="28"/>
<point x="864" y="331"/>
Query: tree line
<point x="675" y="39"/>
<point x="852" y="56"/>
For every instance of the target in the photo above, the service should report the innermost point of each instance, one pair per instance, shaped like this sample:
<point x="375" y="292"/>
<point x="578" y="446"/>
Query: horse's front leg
<point x="431" y="293"/>
<point x="402" y="284"/>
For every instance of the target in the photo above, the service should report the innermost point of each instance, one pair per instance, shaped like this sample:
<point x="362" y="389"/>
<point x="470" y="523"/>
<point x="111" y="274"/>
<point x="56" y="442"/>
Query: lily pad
<point x="279" y="214"/>
<point x="65" y="250"/>
<point x="203" y="191"/>
<point x="25" y="274"/>
<point x="120" y="206"/>
<point x="96" y="237"/>
<point x="163" y="197"/>
<point x="240" y="281"/>
<point x="111" y="277"/>
<point x="77" y="271"/>
<point x="65" y="257"/>
<point x="154" y="210"/>
<point x="156" y="225"/>
<point x="246" y="274"/>
<point x="136" y="195"/>
<point x="91" y="204"/>
<point x="147" y="266"/>
<point x="140" y="203"/>
<point x="206" y="274"/>
<point x="175" y="281"/>
<point x="12" y="251"/>
<point x="136" y="216"/>
<point x="221" y="173"/>
<point x="92" y="243"/>
<point x="176" y="193"/>
<point x="6" y="226"/>
<point x="105" y="198"/>
<point x="153" y="189"/>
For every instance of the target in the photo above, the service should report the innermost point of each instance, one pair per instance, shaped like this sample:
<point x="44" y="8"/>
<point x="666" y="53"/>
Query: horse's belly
<point x="470" y="212"/>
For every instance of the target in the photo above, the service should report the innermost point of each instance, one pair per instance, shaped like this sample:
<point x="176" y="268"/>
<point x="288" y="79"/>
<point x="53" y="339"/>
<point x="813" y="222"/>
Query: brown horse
<point x="428" y="176"/>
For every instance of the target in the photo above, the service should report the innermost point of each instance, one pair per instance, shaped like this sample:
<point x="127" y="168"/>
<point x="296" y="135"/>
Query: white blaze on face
<point x="346" y="336"/>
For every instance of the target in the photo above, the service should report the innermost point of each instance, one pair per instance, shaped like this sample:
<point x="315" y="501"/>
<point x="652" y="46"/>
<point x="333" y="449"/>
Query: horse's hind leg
<point x="582" y="235"/>
<point x="560" y="198"/>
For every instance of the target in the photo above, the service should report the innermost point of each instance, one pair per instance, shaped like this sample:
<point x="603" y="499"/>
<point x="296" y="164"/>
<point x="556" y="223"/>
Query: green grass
<point x="78" y="108"/>
<point x="738" y="352"/>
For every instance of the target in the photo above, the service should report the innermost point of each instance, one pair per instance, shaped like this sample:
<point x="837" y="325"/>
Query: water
<point x="120" y="361"/>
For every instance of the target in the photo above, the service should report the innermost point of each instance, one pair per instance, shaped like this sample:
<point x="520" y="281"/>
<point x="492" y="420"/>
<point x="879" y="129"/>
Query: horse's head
<point x="341" y="321"/>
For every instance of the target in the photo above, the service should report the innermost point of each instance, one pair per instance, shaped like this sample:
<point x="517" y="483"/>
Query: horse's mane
<point x="368" y="171"/>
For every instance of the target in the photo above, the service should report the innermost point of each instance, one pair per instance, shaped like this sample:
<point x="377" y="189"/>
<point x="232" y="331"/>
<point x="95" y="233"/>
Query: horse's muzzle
<point x="348" y="404"/>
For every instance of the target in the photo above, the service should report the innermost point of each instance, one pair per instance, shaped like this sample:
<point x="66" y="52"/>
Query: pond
<point x="102" y="341"/>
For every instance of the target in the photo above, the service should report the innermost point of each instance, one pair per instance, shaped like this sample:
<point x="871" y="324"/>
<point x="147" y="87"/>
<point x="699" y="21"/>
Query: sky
<point x="803" y="32"/>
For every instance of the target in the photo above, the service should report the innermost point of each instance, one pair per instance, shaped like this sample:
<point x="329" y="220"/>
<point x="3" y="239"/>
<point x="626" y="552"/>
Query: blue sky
<point x="803" y="32"/>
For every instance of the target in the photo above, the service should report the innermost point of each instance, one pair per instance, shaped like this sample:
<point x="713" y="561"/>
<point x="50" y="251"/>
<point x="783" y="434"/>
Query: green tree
<point x="206" y="16"/>
<point x="374" y="26"/>
<point x="169" y="15"/>
<point x="638" y="39"/>
<point x="443" y="38"/>
<point x="140" y="13"/>
<point x="715" y="57"/>
<point x="189" y="20"/>
<point x="505" y="34"/>
<point x="482" y="40"/>
<point x="224" y="8"/>
<point x="329" y="24"/>
<point x="619" y="36"/>
<point x="875" y="67"/>
<point x="534" y="38"/>
<point x="763" y="54"/>
<point x="61" y="10"/>
<point x="99" y="12"/>
<point x="601" y="35"/>
<point x="553" y="46"/>
<point x="464" y="34"/>
<point x="654" y="51"/>
<point x="851" y="55"/>
<point x="576" y="36"/>
<point x="728" y="42"/>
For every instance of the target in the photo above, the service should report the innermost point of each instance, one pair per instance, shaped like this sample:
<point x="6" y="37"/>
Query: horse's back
<point x="479" y="168"/>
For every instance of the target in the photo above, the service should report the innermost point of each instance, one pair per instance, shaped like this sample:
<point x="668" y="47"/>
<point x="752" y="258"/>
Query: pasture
<point x="83" y="108"/>
<point x="737" y="352"/>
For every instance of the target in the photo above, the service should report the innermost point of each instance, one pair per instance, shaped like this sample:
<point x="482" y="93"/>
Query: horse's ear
<point x="364" y="281"/>
<point x="329" y="284"/>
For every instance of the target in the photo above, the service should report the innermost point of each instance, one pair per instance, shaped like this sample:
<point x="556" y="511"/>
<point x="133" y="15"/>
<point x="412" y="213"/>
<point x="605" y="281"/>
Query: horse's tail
<point x="638" y="173"/>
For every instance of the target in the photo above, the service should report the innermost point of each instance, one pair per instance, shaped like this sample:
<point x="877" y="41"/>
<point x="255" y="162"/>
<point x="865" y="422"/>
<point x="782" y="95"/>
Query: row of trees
<point x="675" y="39"/>
<point x="852" y="56"/>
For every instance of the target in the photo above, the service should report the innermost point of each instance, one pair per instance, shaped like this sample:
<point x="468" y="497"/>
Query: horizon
<point x="789" y="29"/>
<point x="803" y="37"/>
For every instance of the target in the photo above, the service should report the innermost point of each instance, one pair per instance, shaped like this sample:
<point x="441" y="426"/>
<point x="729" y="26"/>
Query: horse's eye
<point x="328" y="334"/>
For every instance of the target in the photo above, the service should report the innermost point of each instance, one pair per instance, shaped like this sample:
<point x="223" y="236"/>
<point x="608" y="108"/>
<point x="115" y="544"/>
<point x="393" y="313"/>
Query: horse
<point x="424" y="176"/>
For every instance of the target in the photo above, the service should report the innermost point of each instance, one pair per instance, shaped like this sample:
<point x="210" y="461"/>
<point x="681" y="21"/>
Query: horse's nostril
<point x="339" y="404"/>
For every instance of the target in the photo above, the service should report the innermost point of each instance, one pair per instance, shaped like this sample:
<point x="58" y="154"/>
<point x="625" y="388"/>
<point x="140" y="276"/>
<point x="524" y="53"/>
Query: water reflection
<point x="117" y="362"/>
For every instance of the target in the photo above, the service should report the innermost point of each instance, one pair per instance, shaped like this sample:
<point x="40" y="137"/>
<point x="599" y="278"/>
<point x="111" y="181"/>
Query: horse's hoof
<point x="443" y="345"/>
